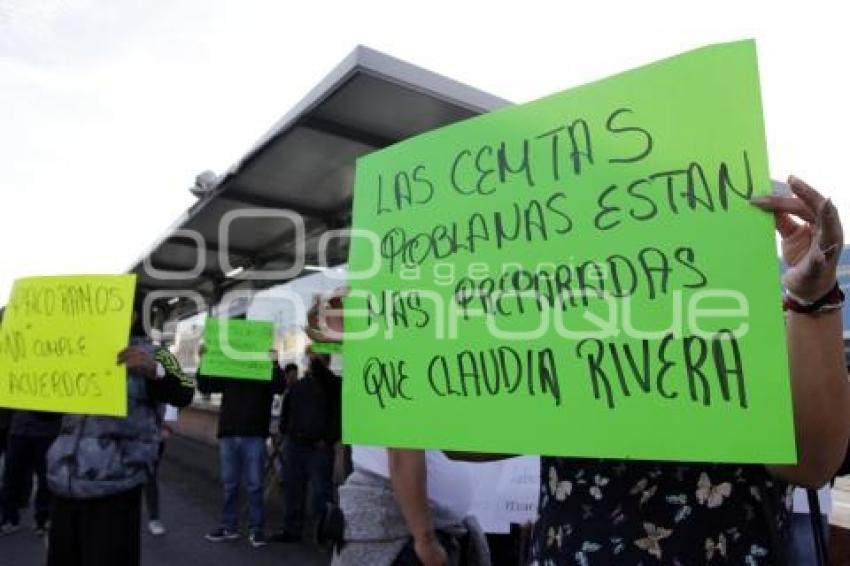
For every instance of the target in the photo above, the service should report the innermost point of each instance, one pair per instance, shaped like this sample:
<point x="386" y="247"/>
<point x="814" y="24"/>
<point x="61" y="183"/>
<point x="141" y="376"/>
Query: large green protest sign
<point x="582" y="275"/>
<point x="59" y="341"/>
<point x="237" y="349"/>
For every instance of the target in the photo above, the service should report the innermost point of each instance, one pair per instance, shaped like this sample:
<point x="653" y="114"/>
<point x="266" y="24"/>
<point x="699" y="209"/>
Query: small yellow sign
<point x="59" y="340"/>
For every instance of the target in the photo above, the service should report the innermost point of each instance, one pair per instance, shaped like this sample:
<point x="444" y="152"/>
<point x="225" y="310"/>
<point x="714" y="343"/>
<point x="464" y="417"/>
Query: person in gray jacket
<point x="98" y="465"/>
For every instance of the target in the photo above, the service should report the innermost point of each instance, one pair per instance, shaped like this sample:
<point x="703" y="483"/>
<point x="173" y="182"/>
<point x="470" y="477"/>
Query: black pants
<point x="302" y="464"/>
<point x="25" y="455"/>
<point x="152" y="487"/>
<point x="96" y="532"/>
<point x="4" y="432"/>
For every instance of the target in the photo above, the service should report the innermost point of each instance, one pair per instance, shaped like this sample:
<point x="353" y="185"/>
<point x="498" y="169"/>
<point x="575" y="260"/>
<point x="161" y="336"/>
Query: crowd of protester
<point x="401" y="506"/>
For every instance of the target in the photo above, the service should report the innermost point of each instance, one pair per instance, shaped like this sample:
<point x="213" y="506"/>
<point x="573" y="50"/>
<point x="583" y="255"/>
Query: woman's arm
<point x="819" y="385"/>
<point x="821" y="398"/>
<point x="409" y="478"/>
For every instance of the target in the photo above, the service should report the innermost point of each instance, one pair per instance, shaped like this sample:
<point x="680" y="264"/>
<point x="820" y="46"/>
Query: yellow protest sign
<point x="59" y="340"/>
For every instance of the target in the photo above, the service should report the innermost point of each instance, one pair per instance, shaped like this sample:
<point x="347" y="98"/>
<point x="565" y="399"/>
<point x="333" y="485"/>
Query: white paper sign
<point x="505" y="492"/>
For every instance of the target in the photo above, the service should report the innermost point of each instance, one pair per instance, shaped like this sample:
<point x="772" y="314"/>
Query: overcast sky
<point x="108" y="109"/>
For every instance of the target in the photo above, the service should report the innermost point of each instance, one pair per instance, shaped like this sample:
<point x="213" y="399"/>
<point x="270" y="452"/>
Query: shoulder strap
<point x="817" y="526"/>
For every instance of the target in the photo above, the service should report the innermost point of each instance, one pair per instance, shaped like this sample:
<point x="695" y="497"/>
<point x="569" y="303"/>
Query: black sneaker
<point x="258" y="539"/>
<point x="222" y="535"/>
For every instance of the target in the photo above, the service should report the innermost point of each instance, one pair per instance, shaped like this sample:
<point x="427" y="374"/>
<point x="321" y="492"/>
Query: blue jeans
<point x="302" y="464"/>
<point x="242" y="458"/>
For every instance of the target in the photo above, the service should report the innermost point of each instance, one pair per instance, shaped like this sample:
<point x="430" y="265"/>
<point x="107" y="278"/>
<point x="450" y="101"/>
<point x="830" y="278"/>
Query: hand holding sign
<point x="138" y="361"/>
<point x="811" y="249"/>
<point x="325" y="317"/>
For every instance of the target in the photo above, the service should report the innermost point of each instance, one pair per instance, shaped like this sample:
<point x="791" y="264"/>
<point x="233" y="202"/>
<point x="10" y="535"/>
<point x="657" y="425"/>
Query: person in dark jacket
<point x="25" y="490"/>
<point x="30" y="435"/>
<point x="98" y="465"/>
<point x="243" y="425"/>
<point x="311" y="425"/>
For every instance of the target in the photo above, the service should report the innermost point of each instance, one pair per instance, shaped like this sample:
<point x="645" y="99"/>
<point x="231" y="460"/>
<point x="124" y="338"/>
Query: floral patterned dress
<point x="645" y="513"/>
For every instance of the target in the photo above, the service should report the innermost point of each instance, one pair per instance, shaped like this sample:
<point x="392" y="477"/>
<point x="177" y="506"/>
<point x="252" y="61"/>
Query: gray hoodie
<point x="96" y="456"/>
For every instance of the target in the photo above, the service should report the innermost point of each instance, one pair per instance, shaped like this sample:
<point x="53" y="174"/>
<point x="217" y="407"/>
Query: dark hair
<point x="289" y="367"/>
<point x="139" y="301"/>
<point x="137" y="327"/>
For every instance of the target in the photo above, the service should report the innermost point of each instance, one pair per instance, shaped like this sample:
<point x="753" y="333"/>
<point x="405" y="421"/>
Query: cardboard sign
<point x="237" y="349"/>
<point x="505" y="492"/>
<point x="582" y="275"/>
<point x="59" y="341"/>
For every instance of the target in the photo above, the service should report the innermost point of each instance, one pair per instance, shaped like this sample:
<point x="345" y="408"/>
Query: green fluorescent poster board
<point x="472" y="331"/>
<point x="59" y="341"/>
<point x="237" y="349"/>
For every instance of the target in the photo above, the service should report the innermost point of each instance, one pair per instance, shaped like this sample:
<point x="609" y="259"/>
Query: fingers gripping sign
<point x="137" y="360"/>
<point x="812" y="239"/>
<point x="325" y="317"/>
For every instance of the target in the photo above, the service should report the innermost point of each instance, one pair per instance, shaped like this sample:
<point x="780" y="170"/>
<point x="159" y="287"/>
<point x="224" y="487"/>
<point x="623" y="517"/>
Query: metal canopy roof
<point x="304" y="164"/>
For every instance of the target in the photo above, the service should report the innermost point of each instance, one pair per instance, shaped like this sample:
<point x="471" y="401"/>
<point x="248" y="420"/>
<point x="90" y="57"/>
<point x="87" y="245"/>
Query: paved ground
<point x="190" y="504"/>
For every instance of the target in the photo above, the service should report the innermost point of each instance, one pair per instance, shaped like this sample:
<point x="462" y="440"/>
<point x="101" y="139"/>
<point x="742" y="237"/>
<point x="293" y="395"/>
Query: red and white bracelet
<point x="832" y="301"/>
